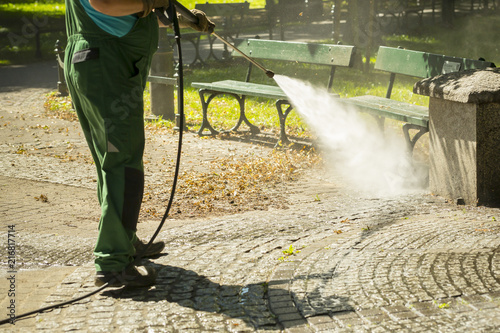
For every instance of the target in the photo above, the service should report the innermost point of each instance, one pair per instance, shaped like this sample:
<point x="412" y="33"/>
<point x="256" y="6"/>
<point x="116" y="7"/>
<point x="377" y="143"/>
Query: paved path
<point x="408" y="263"/>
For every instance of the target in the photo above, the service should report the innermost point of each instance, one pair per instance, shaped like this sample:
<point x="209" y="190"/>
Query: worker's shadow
<point x="242" y="302"/>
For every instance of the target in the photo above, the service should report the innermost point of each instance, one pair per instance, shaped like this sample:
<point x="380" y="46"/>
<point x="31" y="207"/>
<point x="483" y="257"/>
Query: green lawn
<point x="20" y="8"/>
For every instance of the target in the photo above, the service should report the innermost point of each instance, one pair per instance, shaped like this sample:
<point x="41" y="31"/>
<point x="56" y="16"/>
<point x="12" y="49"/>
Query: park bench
<point x="414" y="64"/>
<point x="329" y="55"/>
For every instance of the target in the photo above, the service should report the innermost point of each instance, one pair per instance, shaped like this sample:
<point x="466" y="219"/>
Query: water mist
<point x="354" y="147"/>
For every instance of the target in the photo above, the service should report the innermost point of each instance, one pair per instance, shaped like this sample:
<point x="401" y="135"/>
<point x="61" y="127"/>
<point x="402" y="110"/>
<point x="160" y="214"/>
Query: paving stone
<point x="299" y="324"/>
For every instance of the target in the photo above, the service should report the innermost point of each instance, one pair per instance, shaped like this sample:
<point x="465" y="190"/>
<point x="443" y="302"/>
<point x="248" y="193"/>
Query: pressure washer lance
<point x="194" y="19"/>
<point x="269" y="73"/>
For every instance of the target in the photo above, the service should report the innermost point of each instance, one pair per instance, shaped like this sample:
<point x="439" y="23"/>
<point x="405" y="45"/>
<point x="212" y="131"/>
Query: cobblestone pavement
<point x="356" y="262"/>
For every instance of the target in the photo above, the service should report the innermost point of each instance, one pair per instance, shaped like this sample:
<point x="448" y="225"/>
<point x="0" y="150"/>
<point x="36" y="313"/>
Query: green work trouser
<point x="106" y="81"/>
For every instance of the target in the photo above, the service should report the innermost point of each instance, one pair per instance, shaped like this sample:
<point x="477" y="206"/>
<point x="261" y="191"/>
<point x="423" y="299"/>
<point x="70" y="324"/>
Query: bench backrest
<point x="332" y="55"/>
<point x="421" y="64"/>
<point x="322" y="54"/>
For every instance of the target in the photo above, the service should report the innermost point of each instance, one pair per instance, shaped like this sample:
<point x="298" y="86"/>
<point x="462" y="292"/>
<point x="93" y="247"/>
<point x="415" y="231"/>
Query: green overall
<point x="106" y="76"/>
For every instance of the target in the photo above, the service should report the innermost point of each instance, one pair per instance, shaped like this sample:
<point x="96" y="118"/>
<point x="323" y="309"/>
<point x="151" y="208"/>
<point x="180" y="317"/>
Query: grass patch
<point x="38" y="8"/>
<point x="59" y="107"/>
<point x="20" y="23"/>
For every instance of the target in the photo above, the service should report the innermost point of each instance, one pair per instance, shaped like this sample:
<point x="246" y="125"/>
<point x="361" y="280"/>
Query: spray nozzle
<point x="270" y="74"/>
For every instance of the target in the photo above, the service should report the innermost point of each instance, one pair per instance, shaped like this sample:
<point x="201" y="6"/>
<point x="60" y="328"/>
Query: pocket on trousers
<point x="86" y="71"/>
<point x="85" y="55"/>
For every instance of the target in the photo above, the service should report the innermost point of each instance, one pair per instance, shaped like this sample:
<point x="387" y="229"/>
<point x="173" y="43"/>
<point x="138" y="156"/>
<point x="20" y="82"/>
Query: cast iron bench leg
<point x="195" y="40"/>
<point x="211" y="40"/>
<point x="196" y="43"/>
<point x="282" y="115"/>
<point x="205" y="124"/>
<point x="411" y="142"/>
<point x="204" y="105"/>
<point x="243" y="118"/>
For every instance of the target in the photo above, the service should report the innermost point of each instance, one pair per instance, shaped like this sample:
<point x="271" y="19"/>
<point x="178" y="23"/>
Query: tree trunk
<point x="360" y="25"/>
<point x="448" y="12"/>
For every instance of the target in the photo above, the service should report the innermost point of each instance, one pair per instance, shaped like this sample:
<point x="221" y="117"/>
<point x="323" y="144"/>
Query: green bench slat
<point x="422" y="64"/>
<point x="388" y="108"/>
<point x="163" y="80"/>
<point x="323" y="54"/>
<point x="243" y="88"/>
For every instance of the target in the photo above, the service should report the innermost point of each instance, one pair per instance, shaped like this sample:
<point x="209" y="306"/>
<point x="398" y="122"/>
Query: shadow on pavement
<point x="191" y="290"/>
<point x="249" y="303"/>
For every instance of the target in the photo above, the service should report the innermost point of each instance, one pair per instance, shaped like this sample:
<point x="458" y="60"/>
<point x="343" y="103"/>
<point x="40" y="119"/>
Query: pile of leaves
<point x="59" y="107"/>
<point x="231" y="185"/>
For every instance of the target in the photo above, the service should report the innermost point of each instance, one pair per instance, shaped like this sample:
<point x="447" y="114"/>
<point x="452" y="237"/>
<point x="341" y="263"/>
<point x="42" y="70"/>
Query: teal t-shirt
<point x="115" y="25"/>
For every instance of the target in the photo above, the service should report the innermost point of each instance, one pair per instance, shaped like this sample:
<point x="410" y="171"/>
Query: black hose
<point x="54" y="306"/>
<point x="180" y="107"/>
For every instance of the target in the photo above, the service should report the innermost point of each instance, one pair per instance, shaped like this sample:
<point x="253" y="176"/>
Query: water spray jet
<point x="354" y="149"/>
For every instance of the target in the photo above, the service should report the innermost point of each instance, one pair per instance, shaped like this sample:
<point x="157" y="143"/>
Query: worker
<point x="107" y="61"/>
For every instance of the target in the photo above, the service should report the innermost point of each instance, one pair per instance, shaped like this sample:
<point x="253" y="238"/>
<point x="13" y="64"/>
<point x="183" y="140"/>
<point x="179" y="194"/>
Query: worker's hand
<point x="148" y="6"/>
<point x="204" y="24"/>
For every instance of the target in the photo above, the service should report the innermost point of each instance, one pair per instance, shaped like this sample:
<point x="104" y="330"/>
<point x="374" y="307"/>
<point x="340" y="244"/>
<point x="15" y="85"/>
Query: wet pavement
<point x="356" y="262"/>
